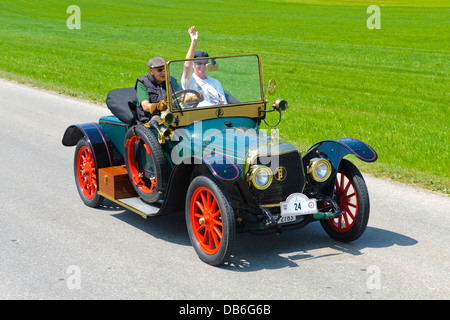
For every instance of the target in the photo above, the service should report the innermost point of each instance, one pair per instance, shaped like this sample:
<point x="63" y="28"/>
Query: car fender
<point x="335" y="150"/>
<point x="97" y="139"/>
<point x="222" y="167"/>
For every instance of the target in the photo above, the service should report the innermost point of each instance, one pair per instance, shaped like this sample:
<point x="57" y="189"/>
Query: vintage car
<point x="217" y="164"/>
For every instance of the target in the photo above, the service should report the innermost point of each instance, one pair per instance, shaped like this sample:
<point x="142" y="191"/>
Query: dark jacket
<point x="156" y="91"/>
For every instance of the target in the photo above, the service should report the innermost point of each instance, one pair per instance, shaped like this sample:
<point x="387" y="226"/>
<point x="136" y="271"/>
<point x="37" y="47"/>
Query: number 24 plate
<point x="297" y="204"/>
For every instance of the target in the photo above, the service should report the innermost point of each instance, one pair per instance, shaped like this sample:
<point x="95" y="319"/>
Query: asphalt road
<point x="54" y="247"/>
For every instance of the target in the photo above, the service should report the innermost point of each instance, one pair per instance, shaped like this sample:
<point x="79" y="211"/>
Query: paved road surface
<point x="54" y="247"/>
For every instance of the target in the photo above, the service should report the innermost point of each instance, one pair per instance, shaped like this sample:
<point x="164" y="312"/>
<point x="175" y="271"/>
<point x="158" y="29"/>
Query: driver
<point x="194" y="76"/>
<point x="151" y="91"/>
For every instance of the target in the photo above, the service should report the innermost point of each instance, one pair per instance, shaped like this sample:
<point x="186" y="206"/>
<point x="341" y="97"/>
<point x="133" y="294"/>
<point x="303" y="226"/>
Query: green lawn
<point x="387" y="87"/>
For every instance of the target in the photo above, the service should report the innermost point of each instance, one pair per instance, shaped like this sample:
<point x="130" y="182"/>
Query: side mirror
<point x="280" y="105"/>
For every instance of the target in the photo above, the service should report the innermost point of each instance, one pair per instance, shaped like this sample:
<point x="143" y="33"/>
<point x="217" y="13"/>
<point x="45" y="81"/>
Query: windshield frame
<point x="187" y="116"/>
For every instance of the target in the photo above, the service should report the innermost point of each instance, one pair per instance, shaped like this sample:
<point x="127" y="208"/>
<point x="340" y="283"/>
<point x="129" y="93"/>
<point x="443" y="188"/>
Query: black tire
<point x="86" y="174"/>
<point x="214" y="241"/>
<point x="145" y="164"/>
<point x="353" y="199"/>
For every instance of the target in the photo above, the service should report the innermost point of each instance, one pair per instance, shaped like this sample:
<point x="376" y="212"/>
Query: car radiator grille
<point x="292" y="179"/>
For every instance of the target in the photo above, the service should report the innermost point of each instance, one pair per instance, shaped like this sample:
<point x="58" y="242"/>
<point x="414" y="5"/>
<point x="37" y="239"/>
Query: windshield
<point x="215" y="81"/>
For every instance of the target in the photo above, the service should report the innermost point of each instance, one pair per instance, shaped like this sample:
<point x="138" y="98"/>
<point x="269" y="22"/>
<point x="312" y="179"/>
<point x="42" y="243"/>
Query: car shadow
<point x="170" y="228"/>
<point x="289" y="249"/>
<point x="253" y="252"/>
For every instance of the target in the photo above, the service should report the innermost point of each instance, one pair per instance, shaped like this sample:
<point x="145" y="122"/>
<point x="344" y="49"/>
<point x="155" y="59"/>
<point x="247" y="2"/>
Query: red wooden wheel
<point x="348" y="203"/>
<point x="87" y="178"/>
<point x="351" y="194"/>
<point x="206" y="220"/>
<point x="85" y="172"/>
<point x="210" y="220"/>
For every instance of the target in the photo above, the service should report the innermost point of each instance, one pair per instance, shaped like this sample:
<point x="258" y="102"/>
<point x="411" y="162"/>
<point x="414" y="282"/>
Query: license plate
<point x="298" y="204"/>
<point x="284" y="219"/>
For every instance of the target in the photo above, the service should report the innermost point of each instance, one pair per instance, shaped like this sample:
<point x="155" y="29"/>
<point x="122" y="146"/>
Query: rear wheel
<point x="86" y="174"/>
<point x="353" y="198"/>
<point x="210" y="220"/>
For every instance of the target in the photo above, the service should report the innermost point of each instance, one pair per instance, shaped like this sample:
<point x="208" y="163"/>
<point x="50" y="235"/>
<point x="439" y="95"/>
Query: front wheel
<point x="353" y="198"/>
<point x="210" y="220"/>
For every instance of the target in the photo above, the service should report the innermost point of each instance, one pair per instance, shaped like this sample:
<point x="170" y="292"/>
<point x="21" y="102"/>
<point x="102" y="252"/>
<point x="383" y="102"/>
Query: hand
<point x="162" y="105"/>
<point x="192" y="98"/>
<point x="193" y="33"/>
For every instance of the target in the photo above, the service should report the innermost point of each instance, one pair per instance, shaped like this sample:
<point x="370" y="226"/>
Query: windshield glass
<point x="215" y="81"/>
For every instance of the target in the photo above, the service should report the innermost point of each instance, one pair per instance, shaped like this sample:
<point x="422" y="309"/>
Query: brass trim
<point x="248" y="109"/>
<point x="123" y="204"/>
<point x="253" y="172"/>
<point x="312" y="165"/>
<point x="255" y="152"/>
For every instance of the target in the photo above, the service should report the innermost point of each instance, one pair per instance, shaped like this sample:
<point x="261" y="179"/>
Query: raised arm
<point x="187" y="72"/>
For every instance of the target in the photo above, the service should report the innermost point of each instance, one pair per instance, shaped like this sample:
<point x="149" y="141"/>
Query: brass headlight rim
<point x="168" y="118"/>
<point x="253" y="170"/>
<point x="313" y="164"/>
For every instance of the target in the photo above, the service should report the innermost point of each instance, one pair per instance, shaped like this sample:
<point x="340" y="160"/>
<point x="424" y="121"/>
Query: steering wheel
<point x="182" y="99"/>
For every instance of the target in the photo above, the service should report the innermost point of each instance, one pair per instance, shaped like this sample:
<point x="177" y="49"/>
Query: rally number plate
<point x="297" y="204"/>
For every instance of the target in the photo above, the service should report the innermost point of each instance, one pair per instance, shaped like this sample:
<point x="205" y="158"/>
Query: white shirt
<point x="210" y="88"/>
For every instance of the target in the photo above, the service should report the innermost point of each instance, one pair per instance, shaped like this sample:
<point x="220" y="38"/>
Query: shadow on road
<point x="289" y="249"/>
<point x="170" y="228"/>
<point x="270" y="251"/>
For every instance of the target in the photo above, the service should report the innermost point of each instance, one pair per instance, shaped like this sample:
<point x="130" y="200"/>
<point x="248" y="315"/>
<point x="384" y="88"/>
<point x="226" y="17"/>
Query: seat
<point x="122" y="103"/>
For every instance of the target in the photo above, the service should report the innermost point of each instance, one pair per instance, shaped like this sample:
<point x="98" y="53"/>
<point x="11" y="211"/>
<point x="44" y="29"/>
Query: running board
<point x="136" y="205"/>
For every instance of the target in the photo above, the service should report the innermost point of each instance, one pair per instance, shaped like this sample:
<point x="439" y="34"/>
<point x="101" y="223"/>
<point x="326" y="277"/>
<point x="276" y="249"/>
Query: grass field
<point x="388" y="87"/>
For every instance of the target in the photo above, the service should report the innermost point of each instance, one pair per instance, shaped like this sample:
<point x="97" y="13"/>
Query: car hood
<point x="242" y="145"/>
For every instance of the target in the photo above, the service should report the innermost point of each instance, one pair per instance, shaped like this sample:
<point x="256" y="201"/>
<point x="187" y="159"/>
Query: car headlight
<point x="320" y="169"/>
<point x="167" y="117"/>
<point x="261" y="177"/>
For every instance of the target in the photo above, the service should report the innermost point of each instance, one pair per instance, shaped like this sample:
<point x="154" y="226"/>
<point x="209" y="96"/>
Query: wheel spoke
<point x="344" y="192"/>
<point x="200" y="227"/>
<point x="198" y="215"/>
<point x="217" y="232"/>
<point x="201" y="207"/>
<point x="215" y="241"/>
<point x="218" y="222"/>
<point x="202" y="195"/>
<point x="345" y="216"/>
<point x="349" y="195"/>
<point x="342" y="183"/>
<point x="346" y="210"/>
<point x="208" y="201"/>
<point x="350" y="204"/>
<point x="339" y="222"/>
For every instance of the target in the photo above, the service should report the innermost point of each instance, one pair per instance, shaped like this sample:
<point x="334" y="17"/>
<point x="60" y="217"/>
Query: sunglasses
<point x="161" y="69"/>
<point x="202" y="63"/>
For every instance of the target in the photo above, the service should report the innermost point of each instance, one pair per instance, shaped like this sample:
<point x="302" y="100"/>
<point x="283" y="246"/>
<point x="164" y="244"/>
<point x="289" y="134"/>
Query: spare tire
<point x="145" y="163"/>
